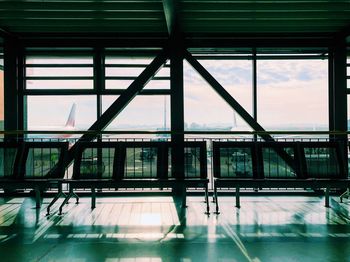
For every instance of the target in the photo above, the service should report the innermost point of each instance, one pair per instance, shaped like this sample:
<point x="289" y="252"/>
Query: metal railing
<point x="141" y="159"/>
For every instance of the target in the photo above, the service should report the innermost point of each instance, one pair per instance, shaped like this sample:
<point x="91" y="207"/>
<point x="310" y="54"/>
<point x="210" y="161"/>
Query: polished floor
<point x="135" y="229"/>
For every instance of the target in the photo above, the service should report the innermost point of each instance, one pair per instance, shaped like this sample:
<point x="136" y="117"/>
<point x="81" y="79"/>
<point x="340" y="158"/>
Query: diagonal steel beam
<point x="226" y="96"/>
<point x="234" y="104"/>
<point x="122" y="101"/>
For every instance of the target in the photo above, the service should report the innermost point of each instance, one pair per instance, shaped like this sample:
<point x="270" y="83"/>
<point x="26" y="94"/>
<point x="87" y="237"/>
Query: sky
<point x="291" y="93"/>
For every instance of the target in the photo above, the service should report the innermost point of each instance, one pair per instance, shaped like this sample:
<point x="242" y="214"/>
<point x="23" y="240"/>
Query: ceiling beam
<point x="346" y="31"/>
<point x="5" y="33"/>
<point x="172" y="16"/>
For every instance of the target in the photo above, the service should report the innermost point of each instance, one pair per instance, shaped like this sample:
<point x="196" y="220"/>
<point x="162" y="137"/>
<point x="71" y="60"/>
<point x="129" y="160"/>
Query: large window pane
<point x="204" y="108"/>
<point x="52" y="112"/>
<point x="143" y="113"/>
<point x="293" y="94"/>
<point x="235" y="76"/>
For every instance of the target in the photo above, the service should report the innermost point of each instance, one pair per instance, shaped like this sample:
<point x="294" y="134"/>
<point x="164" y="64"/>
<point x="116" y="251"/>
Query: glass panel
<point x="59" y="84"/>
<point x="58" y="60"/>
<point x="7" y="161"/>
<point x="293" y="94"/>
<point x="205" y="110"/>
<point x="92" y="167"/>
<point x="236" y="162"/>
<point x="141" y="162"/>
<point x="158" y="84"/>
<point x="124" y="72"/>
<point x="40" y="161"/>
<point x="143" y="113"/>
<point x="61" y="113"/>
<point x="123" y="84"/>
<point x="236" y="77"/>
<point x="41" y="66"/>
<point x="58" y="71"/>
<point x="321" y="162"/>
<point x="274" y="165"/>
<point x="131" y="68"/>
<point x="132" y="60"/>
<point x="118" y="84"/>
<point x="192" y="163"/>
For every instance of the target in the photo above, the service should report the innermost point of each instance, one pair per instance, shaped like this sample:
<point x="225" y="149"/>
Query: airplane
<point x="69" y="126"/>
<point x="40" y="162"/>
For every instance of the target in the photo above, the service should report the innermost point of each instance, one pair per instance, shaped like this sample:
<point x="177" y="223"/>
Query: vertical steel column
<point x="330" y="91"/>
<point x="177" y="108"/>
<point x="99" y="77"/>
<point x="22" y="101"/>
<point x="340" y="94"/>
<point x="10" y="86"/>
<point x="255" y="90"/>
<point x="99" y="85"/>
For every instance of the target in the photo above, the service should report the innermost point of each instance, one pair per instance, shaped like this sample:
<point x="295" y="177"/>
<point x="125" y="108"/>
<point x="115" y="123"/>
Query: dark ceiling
<point x="195" y="16"/>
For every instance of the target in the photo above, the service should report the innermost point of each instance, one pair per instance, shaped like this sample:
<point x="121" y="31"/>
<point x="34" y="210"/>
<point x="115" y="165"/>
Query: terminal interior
<point x="174" y="130"/>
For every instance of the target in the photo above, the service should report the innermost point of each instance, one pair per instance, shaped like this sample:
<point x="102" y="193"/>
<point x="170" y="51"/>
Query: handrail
<point x="125" y="132"/>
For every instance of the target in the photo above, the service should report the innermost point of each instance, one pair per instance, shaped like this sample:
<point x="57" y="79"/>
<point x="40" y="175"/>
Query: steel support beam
<point x="177" y="110"/>
<point x="226" y="96"/>
<point x="255" y="88"/>
<point x="198" y="40"/>
<point x="172" y="16"/>
<point x="11" y="85"/>
<point x="4" y="33"/>
<point x="234" y="104"/>
<point x="122" y="101"/>
<point x="22" y="100"/>
<point x="340" y="93"/>
<point x="330" y="91"/>
<point x="339" y="83"/>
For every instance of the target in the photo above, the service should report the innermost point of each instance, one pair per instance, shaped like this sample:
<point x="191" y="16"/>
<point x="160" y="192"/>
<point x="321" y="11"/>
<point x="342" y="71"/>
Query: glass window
<point x="59" y="72"/>
<point x="293" y="94"/>
<point x="235" y="76"/>
<point x="122" y="71"/>
<point x="143" y="113"/>
<point x="205" y="109"/>
<point x="61" y="112"/>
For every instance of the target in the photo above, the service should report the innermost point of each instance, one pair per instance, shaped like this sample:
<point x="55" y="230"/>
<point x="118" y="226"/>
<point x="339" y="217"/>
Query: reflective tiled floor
<point x="274" y="228"/>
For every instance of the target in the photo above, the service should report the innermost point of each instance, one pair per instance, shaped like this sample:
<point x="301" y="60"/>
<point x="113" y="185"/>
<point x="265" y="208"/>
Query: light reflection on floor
<point x="154" y="229"/>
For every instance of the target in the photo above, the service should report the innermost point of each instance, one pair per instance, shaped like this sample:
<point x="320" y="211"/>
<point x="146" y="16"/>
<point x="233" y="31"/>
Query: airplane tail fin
<point x="234" y="120"/>
<point x="71" y="118"/>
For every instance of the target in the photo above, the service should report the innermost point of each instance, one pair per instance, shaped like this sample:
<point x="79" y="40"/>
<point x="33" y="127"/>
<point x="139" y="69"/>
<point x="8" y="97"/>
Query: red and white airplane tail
<point x="70" y="124"/>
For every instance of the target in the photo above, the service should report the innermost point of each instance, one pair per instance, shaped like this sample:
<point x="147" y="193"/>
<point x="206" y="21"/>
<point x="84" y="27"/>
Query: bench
<point x="278" y="165"/>
<point x="32" y="165"/>
<point x="115" y="165"/>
